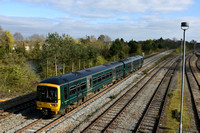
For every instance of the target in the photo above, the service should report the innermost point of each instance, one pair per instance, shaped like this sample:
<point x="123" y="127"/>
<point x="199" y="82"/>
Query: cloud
<point x="125" y="18"/>
<point x="92" y="15"/>
<point x="107" y="6"/>
<point x="147" y="27"/>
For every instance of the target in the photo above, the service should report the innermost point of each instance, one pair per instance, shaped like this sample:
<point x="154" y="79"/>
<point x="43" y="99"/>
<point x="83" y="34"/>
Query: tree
<point x="2" y="47"/>
<point x="36" y="52"/>
<point x="53" y="40"/>
<point x="18" y="36"/>
<point x="20" y="49"/>
<point x="133" y="47"/>
<point x="92" y="54"/>
<point x="104" y="38"/>
<point x="115" y="48"/>
<point x="101" y="38"/>
<point x="85" y="41"/>
<point x="147" y="45"/>
<point x="36" y="37"/>
<point x="8" y="41"/>
<point x="1" y="32"/>
<point x="46" y="54"/>
<point x="64" y="56"/>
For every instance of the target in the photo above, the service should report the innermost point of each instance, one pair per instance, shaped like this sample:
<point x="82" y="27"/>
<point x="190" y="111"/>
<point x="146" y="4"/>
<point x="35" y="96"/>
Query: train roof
<point x="131" y="59"/>
<point x="58" y="80"/>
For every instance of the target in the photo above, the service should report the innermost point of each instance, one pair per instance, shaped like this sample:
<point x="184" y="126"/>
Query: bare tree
<point x="18" y="36"/>
<point x="36" y="37"/>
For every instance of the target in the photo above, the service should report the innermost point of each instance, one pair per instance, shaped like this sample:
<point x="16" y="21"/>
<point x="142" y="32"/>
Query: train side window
<point x="103" y="77"/>
<point x="110" y="74"/>
<point x="107" y="75"/>
<point x="99" y="79"/>
<point x="72" y="90"/>
<point x="94" y="81"/>
<point x="65" y="93"/>
<point x="83" y="85"/>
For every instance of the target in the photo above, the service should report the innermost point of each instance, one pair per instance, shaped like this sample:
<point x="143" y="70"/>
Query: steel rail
<point x="114" y="104"/>
<point x="152" y="100"/>
<point x="195" y="108"/>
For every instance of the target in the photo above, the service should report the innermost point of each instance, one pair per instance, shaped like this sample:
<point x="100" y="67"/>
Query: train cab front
<point x="48" y="98"/>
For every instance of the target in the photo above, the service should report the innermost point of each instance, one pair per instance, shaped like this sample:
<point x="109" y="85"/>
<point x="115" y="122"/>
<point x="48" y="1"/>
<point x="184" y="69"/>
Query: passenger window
<point x="72" y="90"/>
<point x="107" y="75"/>
<point x="94" y="81"/>
<point x="83" y="85"/>
<point x="99" y="79"/>
<point x="110" y="74"/>
<point x="103" y="77"/>
<point x="65" y="93"/>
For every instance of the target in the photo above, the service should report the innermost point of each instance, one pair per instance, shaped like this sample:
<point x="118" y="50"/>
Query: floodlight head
<point x="184" y="25"/>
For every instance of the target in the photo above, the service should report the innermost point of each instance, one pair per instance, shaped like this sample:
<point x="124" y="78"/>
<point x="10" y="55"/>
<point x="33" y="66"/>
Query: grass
<point x="174" y="96"/>
<point x="113" y="96"/>
<point x="145" y="72"/>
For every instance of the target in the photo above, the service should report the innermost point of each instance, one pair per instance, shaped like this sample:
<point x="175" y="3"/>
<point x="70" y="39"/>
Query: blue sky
<point x="128" y="19"/>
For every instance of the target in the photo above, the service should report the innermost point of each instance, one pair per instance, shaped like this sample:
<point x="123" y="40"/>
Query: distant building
<point x="20" y="43"/>
<point x="28" y="45"/>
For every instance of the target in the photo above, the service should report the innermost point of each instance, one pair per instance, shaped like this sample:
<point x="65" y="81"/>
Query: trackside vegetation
<point x="172" y="120"/>
<point x="26" y="61"/>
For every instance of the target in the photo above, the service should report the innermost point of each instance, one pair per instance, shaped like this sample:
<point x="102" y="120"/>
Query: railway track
<point x="151" y="116"/>
<point x="17" y="109"/>
<point x="194" y="89"/>
<point x="40" y="124"/>
<point x="107" y="119"/>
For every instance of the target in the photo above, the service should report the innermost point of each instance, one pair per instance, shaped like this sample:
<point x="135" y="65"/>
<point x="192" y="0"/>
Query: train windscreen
<point x="47" y="94"/>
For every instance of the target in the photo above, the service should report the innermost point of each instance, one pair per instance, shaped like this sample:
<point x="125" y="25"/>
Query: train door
<point x="89" y="82"/>
<point x="114" y="73"/>
<point x="65" y="96"/>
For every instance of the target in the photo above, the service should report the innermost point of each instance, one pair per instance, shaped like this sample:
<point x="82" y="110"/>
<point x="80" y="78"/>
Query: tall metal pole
<point x="184" y="27"/>
<point x="182" y="86"/>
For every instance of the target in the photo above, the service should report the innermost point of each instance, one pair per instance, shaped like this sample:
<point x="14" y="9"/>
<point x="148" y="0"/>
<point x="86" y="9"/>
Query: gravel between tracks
<point x="77" y="119"/>
<point x="81" y="118"/>
<point x="192" y="127"/>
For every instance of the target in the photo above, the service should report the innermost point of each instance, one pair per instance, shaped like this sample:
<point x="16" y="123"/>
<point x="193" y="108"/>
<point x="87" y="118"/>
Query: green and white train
<point x="62" y="93"/>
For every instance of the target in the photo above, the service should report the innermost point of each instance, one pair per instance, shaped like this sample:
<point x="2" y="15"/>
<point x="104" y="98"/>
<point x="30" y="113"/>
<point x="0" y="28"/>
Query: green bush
<point x="16" y="79"/>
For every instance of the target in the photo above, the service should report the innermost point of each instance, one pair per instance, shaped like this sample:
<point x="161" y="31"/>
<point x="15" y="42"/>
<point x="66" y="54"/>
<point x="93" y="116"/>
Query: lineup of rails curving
<point x="110" y="117"/>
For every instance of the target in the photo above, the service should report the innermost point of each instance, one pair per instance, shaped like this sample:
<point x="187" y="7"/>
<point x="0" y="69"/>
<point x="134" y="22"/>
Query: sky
<point x="128" y="19"/>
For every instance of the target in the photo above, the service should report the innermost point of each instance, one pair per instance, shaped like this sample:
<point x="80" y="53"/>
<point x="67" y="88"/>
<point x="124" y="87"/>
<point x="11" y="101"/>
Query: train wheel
<point x="68" y="109"/>
<point x="79" y="102"/>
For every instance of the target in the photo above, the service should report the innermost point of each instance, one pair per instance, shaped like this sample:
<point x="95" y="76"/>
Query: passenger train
<point x="60" y="94"/>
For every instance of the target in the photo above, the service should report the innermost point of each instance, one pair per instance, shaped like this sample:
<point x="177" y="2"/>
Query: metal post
<point x="182" y="86"/>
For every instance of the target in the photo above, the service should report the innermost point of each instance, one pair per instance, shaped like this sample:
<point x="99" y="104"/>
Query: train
<point x="61" y="94"/>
